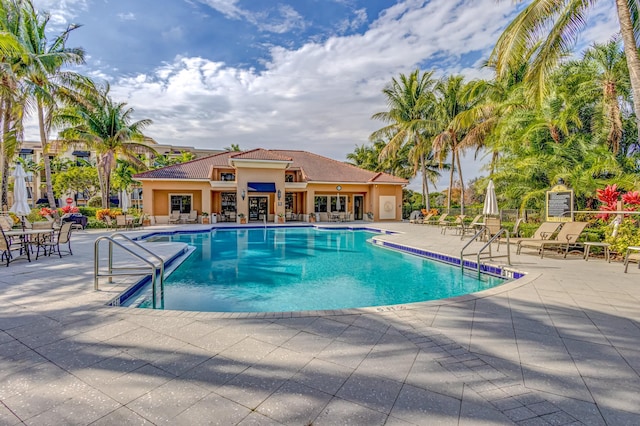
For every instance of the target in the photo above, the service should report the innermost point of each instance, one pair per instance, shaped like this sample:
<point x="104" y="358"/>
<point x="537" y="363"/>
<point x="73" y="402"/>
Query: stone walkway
<point x="560" y="346"/>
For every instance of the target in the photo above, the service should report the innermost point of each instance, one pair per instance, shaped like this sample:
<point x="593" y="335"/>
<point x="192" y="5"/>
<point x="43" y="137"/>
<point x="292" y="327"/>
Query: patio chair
<point x="7" y="247"/>
<point x="231" y="216"/>
<point x="6" y="223"/>
<point x="174" y="217"/>
<point x="193" y="216"/>
<point x="63" y="236"/>
<point x="566" y="238"/>
<point x="54" y="223"/>
<point x="121" y="221"/>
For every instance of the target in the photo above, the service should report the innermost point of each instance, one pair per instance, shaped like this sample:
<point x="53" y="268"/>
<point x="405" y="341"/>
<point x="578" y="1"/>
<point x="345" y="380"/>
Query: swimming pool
<point x="295" y="269"/>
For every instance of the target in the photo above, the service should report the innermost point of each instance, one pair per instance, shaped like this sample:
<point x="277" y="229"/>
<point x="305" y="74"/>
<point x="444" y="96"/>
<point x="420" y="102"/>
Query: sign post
<point x="560" y="204"/>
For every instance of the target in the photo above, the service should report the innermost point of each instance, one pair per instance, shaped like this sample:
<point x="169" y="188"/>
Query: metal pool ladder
<point x="154" y="269"/>
<point x="485" y="246"/>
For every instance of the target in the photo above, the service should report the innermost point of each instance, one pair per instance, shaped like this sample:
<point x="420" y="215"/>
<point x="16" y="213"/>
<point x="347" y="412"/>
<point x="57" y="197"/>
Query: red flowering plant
<point x="609" y="197"/>
<point x="70" y="209"/>
<point x="46" y="211"/>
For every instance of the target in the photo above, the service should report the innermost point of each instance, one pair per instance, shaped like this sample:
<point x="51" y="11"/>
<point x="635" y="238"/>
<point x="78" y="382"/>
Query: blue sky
<point x="298" y="74"/>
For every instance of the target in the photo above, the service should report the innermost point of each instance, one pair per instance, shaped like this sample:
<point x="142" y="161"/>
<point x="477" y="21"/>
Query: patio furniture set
<point x="21" y="243"/>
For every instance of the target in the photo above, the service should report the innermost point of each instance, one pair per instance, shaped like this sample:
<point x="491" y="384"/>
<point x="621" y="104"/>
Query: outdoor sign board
<point x="560" y="204"/>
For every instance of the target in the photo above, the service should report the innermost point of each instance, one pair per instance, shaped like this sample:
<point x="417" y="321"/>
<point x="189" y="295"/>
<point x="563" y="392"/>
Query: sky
<point x="297" y="74"/>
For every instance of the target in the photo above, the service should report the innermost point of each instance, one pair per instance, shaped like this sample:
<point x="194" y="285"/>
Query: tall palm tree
<point x="550" y="29"/>
<point x="451" y="103"/>
<point x="410" y="100"/>
<point x="106" y="127"/>
<point x="611" y="79"/>
<point x="11" y="93"/>
<point x="44" y="76"/>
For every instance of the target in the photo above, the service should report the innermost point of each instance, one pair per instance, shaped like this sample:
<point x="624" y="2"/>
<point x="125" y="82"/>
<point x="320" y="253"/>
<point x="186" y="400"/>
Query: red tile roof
<point x="314" y="167"/>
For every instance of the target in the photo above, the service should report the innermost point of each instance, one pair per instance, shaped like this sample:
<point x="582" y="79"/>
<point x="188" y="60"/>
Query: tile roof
<point x="314" y="167"/>
<point x="260" y="154"/>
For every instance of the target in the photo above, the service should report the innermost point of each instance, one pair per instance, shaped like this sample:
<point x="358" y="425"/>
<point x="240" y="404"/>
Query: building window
<point x="288" y="177"/>
<point x="227" y="176"/>
<point x="321" y="203"/>
<point x="181" y="203"/>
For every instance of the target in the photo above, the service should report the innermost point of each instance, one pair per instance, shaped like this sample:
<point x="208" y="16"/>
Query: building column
<point x="206" y="201"/>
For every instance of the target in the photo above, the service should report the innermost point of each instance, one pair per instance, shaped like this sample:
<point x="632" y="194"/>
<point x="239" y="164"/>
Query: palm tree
<point x="451" y="103"/>
<point x="410" y="100"/>
<point x="11" y="95"/>
<point x="561" y="21"/>
<point x="44" y="75"/>
<point x="610" y="79"/>
<point x="106" y="127"/>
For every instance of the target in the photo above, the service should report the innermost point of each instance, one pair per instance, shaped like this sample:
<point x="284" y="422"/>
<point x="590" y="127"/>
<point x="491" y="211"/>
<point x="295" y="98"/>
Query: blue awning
<point x="26" y="151"/>
<point x="261" y="187"/>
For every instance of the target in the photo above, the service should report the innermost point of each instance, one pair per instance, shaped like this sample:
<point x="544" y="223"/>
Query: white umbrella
<point x="490" y="202"/>
<point x="124" y="201"/>
<point x="20" y="206"/>
<point x="338" y="203"/>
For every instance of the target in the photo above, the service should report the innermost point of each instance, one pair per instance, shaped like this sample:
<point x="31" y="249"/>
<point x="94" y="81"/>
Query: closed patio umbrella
<point x="490" y="207"/>
<point x="20" y="206"/>
<point x="124" y="201"/>
<point x="338" y="203"/>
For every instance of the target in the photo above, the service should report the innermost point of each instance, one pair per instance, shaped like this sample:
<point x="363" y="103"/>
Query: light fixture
<point x="243" y="194"/>
<point x="338" y="187"/>
<point x="279" y="194"/>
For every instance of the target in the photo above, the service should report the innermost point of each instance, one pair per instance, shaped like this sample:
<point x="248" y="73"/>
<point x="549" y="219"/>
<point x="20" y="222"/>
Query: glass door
<point x="258" y="207"/>
<point x="358" y="203"/>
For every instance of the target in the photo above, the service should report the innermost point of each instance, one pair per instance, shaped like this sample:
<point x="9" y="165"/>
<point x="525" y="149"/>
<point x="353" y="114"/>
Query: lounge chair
<point x="62" y="237"/>
<point x="459" y="220"/>
<point x="174" y="217"/>
<point x="193" y="216"/>
<point x="544" y="232"/>
<point x="470" y="228"/>
<point x="426" y="218"/>
<point x="439" y="221"/>
<point x="566" y="238"/>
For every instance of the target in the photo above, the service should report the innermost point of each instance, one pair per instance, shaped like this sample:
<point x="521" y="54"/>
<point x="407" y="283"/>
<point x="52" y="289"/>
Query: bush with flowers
<point x="70" y="209"/>
<point x="626" y="232"/>
<point x="100" y="214"/>
<point x="46" y="211"/>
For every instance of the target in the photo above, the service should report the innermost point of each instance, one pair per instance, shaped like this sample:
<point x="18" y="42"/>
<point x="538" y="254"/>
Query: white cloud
<point x="62" y="11"/>
<point x="130" y="16"/>
<point x="173" y="33"/>
<point x="286" y="18"/>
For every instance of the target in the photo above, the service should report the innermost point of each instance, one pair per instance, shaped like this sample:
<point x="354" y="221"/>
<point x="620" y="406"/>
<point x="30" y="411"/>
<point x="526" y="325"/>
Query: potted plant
<point x="242" y="218"/>
<point x="205" y="217"/>
<point x="312" y="217"/>
<point x="280" y="217"/>
<point x="369" y="216"/>
<point x="146" y="220"/>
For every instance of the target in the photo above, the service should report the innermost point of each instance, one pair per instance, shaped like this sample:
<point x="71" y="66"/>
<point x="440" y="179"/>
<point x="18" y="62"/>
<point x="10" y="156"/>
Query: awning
<point x="26" y="151"/>
<point x="261" y="187"/>
<point x="81" y="153"/>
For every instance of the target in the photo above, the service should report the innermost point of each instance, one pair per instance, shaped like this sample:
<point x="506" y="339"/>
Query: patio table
<point x="24" y="235"/>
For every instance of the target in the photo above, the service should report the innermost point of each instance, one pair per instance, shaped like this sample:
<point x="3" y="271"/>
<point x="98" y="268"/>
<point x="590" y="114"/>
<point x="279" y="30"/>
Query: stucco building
<point x="264" y="184"/>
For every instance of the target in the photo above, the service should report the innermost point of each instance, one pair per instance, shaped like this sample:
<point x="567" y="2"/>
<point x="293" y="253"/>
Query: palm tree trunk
<point x="631" y="52"/>
<point x="461" y="184"/>
<point x="453" y="162"/>
<point x="45" y="156"/>
<point x="425" y="184"/>
<point x="6" y="117"/>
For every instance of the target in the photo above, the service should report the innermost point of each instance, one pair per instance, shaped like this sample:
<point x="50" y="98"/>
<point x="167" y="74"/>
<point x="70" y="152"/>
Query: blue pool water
<point x="293" y="269"/>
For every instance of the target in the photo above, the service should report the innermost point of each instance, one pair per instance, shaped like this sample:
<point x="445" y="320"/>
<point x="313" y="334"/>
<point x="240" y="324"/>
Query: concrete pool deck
<point x="560" y="346"/>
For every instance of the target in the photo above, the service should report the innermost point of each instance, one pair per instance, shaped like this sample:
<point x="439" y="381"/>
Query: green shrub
<point x="93" y="223"/>
<point x="628" y="235"/>
<point x="95" y="201"/>
<point x="88" y="211"/>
